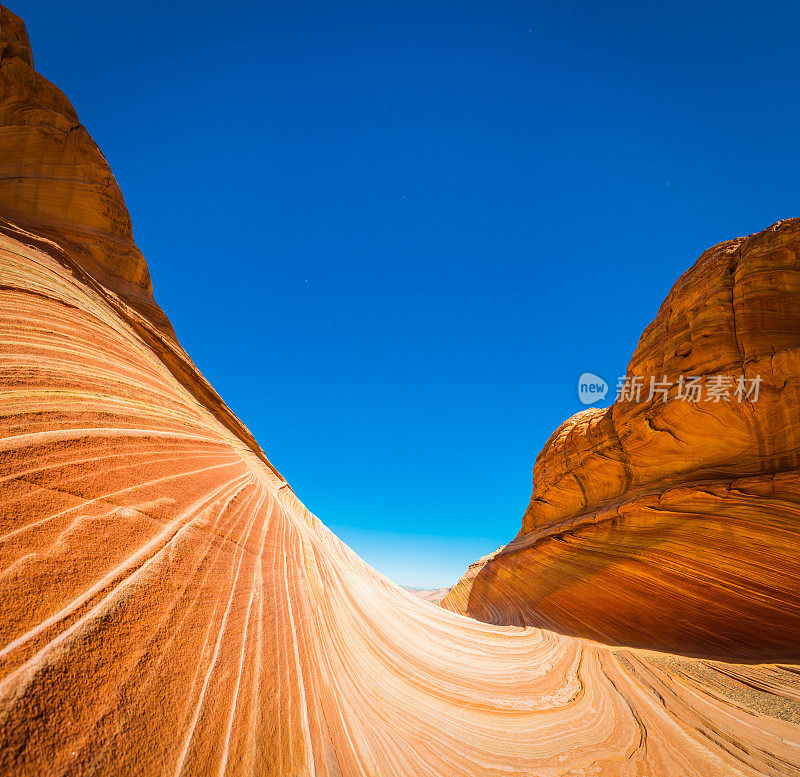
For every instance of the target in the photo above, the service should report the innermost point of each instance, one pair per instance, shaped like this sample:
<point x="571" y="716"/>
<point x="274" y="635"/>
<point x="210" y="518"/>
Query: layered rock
<point x="434" y="595"/>
<point x="58" y="192"/>
<point x="169" y="607"/>
<point x="670" y="523"/>
<point x="54" y="177"/>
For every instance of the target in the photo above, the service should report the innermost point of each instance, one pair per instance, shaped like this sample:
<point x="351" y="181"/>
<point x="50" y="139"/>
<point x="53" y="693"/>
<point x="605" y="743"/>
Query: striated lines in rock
<point x="675" y="525"/>
<point x="169" y="607"/>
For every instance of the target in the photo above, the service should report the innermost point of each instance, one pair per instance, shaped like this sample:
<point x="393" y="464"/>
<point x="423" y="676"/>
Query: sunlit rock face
<point x="169" y="607"/>
<point x="668" y="523"/>
<point x="53" y="176"/>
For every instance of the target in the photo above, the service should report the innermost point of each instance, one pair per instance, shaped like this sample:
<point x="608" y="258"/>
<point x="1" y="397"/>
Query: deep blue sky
<point x="392" y="235"/>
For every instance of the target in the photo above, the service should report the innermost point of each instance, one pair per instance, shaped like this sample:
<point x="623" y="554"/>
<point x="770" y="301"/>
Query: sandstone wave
<point x="169" y="607"/>
<point x="670" y="523"/>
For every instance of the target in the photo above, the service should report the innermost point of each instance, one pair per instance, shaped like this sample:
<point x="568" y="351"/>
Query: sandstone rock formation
<point x="434" y="595"/>
<point x="675" y="525"/>
<point x="169" y="607"/>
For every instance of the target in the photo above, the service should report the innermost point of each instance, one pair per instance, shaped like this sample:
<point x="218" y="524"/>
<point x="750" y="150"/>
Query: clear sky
<point x="392" y="234"/>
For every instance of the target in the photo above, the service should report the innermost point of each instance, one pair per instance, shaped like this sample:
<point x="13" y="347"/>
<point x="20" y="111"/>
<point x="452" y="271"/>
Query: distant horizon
<point x="392" y="237"/>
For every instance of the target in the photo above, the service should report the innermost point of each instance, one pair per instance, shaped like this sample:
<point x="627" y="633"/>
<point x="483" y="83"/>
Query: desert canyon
<point x="168" y="606"/>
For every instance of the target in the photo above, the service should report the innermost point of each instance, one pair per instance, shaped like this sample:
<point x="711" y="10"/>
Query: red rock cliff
<point x="54" y="179"/>
<point x="676" y="524"/>
<point x="169" y="607"/>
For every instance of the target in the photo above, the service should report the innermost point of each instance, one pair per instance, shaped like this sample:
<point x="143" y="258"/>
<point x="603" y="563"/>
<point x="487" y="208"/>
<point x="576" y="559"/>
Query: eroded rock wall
<point x="668" y="523"/>
<point x="169" y="607"/>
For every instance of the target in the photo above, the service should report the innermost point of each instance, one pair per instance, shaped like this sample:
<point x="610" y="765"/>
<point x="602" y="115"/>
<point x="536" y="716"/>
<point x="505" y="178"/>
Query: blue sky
<point x="392" y="235"/>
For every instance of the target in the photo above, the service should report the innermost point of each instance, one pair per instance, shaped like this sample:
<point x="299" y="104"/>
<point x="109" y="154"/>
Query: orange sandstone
<point x="169" y="607"/>
<point x="675" y="525"/>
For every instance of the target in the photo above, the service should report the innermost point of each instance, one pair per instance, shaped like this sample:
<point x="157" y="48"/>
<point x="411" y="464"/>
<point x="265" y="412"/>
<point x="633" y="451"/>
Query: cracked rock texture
<point x="169" y="607"/>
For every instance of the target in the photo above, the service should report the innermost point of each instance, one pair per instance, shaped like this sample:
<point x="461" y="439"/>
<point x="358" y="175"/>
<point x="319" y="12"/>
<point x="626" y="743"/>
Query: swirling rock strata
<point x="667" y="523"/>
<point x="169" y="607"/>
<point x="54" y="177"/>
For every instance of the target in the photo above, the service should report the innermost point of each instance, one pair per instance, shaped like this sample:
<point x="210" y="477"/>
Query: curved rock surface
<point x="169" y="607"/>
<point x="674" y="524"/>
